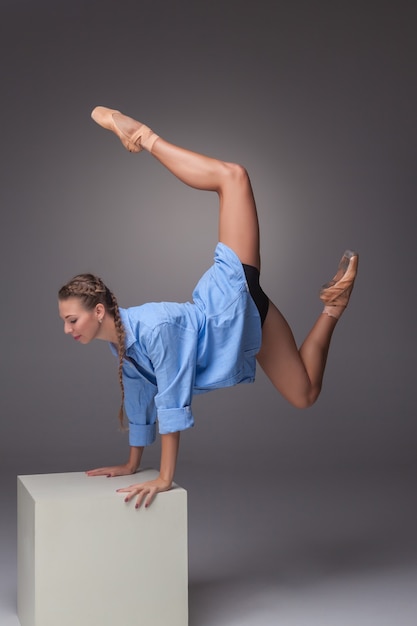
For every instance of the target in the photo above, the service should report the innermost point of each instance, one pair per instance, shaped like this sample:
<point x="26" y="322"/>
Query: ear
<point x="100" y="310"/>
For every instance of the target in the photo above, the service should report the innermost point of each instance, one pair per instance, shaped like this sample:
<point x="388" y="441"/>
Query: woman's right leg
<point x="296" y="373"/>
<point x="299" y="377"/>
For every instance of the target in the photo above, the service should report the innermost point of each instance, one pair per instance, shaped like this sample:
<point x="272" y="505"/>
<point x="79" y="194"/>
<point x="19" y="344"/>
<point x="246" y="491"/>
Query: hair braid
<point x="120" y="349"/>
<point x="91" y="291"/>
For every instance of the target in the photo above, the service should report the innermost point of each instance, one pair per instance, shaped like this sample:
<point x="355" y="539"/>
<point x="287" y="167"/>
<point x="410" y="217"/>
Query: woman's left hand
<point x="145" y="492"/>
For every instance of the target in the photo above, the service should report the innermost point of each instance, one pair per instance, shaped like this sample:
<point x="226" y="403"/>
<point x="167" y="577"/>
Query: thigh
<point x="238" y="219"/>
<point x="280" y="359"/>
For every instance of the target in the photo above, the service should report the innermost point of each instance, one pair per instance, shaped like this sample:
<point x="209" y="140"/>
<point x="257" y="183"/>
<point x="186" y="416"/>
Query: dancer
<point x="167" y="352"/>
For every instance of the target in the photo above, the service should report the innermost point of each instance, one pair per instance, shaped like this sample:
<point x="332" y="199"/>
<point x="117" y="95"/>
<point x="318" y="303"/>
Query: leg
<point x="238" y="221"/>
<point x="297" y="374"/>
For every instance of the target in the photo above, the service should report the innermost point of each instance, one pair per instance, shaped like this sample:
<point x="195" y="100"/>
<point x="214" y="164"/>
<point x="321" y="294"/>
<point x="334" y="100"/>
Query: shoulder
<point x="138" y="320"/>
<point x="149" y="317"/>
<point x="144" y="323"/>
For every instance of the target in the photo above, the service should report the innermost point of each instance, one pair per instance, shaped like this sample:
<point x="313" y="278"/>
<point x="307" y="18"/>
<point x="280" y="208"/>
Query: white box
<point x="87" y="558"/>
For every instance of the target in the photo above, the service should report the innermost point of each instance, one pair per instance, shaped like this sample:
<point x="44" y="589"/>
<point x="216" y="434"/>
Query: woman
<point x="168" y="351"/>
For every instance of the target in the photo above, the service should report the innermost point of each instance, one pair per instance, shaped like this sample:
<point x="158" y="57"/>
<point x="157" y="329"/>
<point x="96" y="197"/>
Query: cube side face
<point x="25" y="556"/>
<point x="167" y="561"/>
<point x="100" y="562"/>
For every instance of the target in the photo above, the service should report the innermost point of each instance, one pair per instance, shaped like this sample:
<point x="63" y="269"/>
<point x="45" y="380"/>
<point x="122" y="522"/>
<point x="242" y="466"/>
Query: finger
<point x="113" y="473"/>
<point x="101" y="471"/>
<point x="125" y="489"/>
<point x="140" y="498"/>
<point x="130" y="495"/>
<point x="150" y="497"/>
<point x="131" y="492"/>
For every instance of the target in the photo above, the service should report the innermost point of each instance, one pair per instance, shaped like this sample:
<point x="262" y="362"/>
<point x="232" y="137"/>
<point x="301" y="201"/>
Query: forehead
<point x="70" y="307"/>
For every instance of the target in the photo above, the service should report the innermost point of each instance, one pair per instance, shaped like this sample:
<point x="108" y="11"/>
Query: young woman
<point x="168" y="351"/>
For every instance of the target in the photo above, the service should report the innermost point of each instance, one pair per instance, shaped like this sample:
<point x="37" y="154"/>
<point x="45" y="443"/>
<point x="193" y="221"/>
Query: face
<point x="82" y="324"/>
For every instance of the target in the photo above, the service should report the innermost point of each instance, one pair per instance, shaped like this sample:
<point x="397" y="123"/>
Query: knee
<point x="306" y="400"/>
<point x="235" y="174"/>
<point x="302" y="403"/>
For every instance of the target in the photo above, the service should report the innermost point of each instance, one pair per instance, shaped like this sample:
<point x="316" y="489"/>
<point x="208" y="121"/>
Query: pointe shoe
<point x="133" y="135"/>
<point x="336" y="293"/>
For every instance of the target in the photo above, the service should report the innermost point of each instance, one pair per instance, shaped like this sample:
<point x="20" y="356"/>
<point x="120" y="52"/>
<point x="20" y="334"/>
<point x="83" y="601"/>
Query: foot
<point x="133" y="135"/>
<point x="336" y="293"/>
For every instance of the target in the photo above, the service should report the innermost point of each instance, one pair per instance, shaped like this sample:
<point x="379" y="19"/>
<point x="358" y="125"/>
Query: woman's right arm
<point x="130" y="467"/>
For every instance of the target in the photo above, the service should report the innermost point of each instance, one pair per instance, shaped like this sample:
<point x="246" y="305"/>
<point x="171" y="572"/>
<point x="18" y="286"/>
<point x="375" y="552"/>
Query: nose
<point x="67" y="328"/>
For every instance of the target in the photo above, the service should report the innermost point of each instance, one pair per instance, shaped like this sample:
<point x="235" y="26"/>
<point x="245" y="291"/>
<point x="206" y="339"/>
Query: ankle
<point x="148" y="138"/>
<point x="334" y="312"/>
<point x="135" y="132"/>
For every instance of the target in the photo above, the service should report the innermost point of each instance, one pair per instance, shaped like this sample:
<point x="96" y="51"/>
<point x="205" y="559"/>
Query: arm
<point x="146" y="492"/>
<point x="129" y="467"/>
<point x="169" y="454"/>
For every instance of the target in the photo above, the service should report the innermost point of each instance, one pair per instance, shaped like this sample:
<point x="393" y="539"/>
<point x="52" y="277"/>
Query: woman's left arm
<point x="146" y="492"/>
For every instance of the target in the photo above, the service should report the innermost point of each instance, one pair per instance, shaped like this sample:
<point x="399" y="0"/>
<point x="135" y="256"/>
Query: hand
<point x="145" y="491"/>
<point x="115" y="470"/>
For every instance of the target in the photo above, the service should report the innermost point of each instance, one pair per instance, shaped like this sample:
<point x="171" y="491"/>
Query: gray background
<point x="295" y="517"/>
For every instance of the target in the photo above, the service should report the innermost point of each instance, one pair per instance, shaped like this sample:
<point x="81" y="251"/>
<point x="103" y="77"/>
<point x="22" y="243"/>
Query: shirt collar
<point x="129" y="336"/>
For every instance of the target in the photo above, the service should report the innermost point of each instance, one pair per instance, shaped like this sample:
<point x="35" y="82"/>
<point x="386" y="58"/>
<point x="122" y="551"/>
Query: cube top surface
<point x="79" y="485"/>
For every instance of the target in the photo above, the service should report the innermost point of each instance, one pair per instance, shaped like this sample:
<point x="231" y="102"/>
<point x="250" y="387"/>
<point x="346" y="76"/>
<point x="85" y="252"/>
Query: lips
<point x="77" y="338"/>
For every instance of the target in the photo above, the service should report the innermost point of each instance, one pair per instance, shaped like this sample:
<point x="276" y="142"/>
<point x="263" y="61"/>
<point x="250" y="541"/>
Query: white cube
<point x="87" y="558"/>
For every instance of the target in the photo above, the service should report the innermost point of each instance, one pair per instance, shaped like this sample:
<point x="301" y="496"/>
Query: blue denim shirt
<point x="176" y="350"/>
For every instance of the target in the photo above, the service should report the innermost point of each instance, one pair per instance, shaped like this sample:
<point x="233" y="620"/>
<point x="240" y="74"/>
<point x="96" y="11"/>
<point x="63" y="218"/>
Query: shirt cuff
<point x="142" y="434"/>
<point x="173" y="420"/>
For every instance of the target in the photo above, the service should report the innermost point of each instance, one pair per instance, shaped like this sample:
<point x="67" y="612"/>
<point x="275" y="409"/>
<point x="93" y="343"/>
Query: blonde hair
<point x="91" y="291"/>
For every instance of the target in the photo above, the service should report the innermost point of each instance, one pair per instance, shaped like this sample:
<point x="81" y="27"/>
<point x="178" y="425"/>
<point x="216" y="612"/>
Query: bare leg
<point x="296" y="373"/>
<point x="238" y="220"/>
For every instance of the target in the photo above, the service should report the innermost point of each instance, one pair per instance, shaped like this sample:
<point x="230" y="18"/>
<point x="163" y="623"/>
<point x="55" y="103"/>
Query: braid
<point x="89" y="288"/>
<point x="91" y="291"/>
<point x="120" y="349"/>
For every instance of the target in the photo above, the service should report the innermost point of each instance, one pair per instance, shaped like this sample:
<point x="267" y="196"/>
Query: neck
<point x="107" y="330"/>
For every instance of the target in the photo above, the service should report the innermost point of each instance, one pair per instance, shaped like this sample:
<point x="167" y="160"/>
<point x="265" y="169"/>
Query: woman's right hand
<point x="135" y="456"/>
<point x="115" y="470"/>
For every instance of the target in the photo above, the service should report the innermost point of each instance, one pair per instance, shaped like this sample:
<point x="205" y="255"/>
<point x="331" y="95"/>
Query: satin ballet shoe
<point x="133" y="135"/>
<point x="336" y="293"/>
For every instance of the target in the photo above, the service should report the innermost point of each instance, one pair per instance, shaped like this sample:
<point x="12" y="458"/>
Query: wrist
<point x="166" y="481"/>
<point x="134" y="458"/>
<point x="132" y="467"/>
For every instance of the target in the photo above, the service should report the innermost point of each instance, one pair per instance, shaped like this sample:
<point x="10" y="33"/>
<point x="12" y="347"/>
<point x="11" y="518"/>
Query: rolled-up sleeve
<point x="172" y="349"/>
<point x="173" y="420"/>
<point x="141" y="434"/>
<point x="139" y="406"/>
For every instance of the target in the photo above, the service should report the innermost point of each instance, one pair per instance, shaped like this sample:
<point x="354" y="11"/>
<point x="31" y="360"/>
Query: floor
<point x="318" y="548"/>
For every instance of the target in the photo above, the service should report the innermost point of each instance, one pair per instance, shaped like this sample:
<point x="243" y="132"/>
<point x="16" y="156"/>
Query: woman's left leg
<point x="238" y="220"/>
